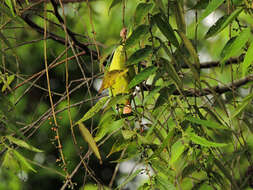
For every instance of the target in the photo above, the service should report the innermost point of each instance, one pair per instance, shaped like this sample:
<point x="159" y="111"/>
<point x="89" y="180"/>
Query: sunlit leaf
<point x="139" y="55"/>
<point x="142" y="10"/>
<point x="248" y="59"/>
<point x="203" y="142"/>
<point x="166" y="29"/>
<point x="176" y="150"/>
<point x="8" y="82"/>
<point x="22" y="143"/>
<point x="143" y="75"/>
<point x="237" y="45"/>
<point x="205" y="123"/>
<point x="222" y="23"/>
<point x="23" y="161"/>
<point x="213" y="5"/>
<point x="127" y="134"/>
<point x="118" y="99"/>
<point x="163" y="183"/>
<point x="90" y="140"/>
<point x="136" y="35"/>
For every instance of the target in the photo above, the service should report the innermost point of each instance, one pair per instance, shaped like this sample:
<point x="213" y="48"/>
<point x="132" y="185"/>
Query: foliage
<point x="190" y="125"/>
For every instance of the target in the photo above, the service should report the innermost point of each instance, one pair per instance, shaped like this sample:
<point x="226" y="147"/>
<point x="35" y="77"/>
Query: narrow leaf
<point x="136" y="35"/>
<point x="206" y="123"/>
<point x="222" y="23"/>
<point x="96" y="108"/>
<point x="141" y="11"/>
<point x="143" y="75"/>
<point x="179" y="14"/>
<point x="176" y="150"/>
<point x="23" y="162"/>
<point x="89" y="139"/>
<point x="129" y="178"/>
<point x="118" y="99"/>
<point x="240" y="108"/>
<point x="22" y="143"/>
<point x="190" y="48"/>
<point x="213" y="5"/>
<point x="8" y="82"/>
<point x="139" y="55"/>
<point x="166" y="29"/>
<point x="164" y="183"/>
<point x="113" y="3"/>
<point x="203" y="142"/>
<point x="237" y="45"/>
<point x="248" y="60"/>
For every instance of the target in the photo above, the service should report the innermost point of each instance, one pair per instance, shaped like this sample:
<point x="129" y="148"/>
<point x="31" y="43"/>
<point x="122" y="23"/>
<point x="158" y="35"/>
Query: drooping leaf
<point x="111" y="77"/>
<point x="118" y="99"/>
<point x="105" y="129"/>
<point x="90" y="140"/>
<point x="114" y="3"/>
<point x="222" y="23"/>
<point x="190" y="48"/>
<point x="23" y="161"/>
<point x="203" y="142"/>
<point x="248" y="60"/>
<point x="22" y="143"/>
<point x="176" y="150"/>
<point x="237" y="45"/>
<point x="213" y="5"/>
<point x="136" y="35"/>
<point x="96" y="108"/>
<point x="241" y="107"/>
<point x="143" y="75"/>
<point x="141" y="11"/>
<point x="205" y="123"/>
<point x="227" y="47"/>
<point x="129" y="178"/>
<point x="179" y="15"/>
<point x="139" y="55"/>
<point x="166" y="29"/>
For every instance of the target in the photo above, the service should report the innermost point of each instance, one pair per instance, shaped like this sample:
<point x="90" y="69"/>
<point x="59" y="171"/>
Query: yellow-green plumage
<point x="118" y="63"/>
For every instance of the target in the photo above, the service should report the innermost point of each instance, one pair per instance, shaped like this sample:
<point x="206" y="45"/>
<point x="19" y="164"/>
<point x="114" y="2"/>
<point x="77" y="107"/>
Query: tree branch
<point x="218" y="89"/>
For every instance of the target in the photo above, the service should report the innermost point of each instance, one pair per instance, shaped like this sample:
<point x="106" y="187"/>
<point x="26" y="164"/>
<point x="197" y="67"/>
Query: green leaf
<point x="23" y="161"/>
<point x="141" y="11"/>
<point x="227" y="47"/>
<point x="179" y="15"/>
<point x="237" y="45"/>
<point x="9" y="3"/>
<point x="201" y="4"/>
<point x="246" y="101"/>
<point x="176" y="150"/>
<point x="129" y="178"/>
<point x="118" y="99"/>
<point x="22" y="143"/>
<point x="139" y="55"/>
<point x="89" y="139"/>
<point x="9" y="161"/>
<point x="166" y="29"/>
<point x="143" y="75"/>
<point x="190" y="48"/>
<point x="248" y="59"/>
<point x="203" y="142"/>
<point x="214" y="4"/>
<point x="206" y="123"/>
<point x="95" y="109"/>
<point x="113" y="3"/>
<point x="222" y="23"/>
<point x="127" y="134"/>
<point x="109" y="127"/>
<point x="6" y="41"/>
<point x="8" y="82"/>
<point x="164" y="183"/>
<point x="136" y="35"/>
<point x="172" y="73"/>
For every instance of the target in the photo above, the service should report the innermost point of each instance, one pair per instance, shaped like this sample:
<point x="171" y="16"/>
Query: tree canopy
<point x="188" y="87"/>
